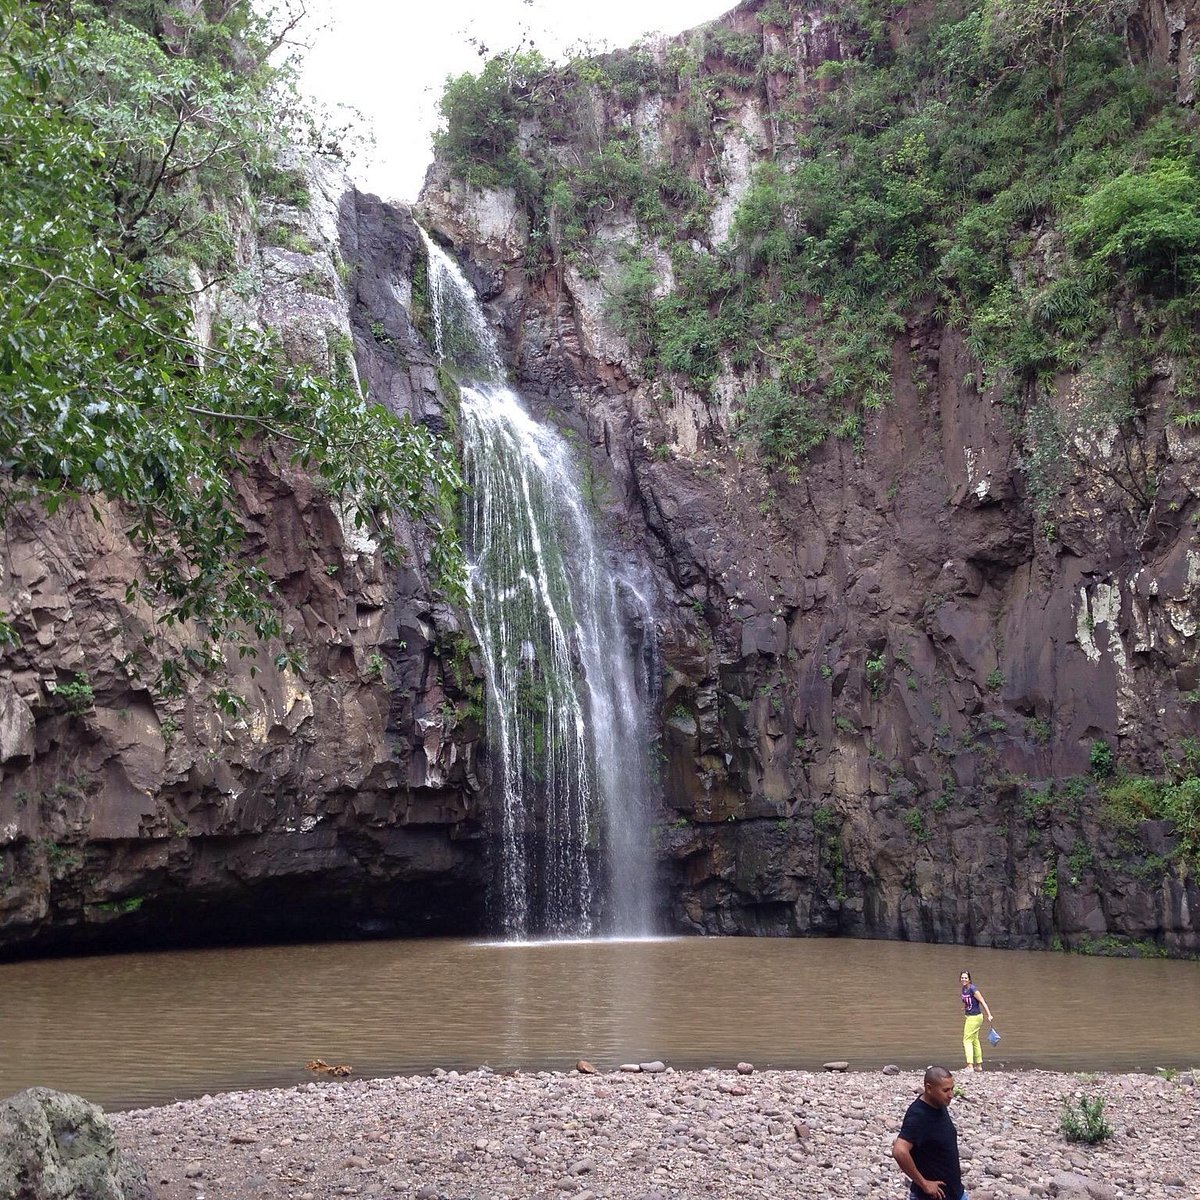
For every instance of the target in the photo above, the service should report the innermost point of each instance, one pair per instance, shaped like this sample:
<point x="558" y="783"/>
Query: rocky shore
<point x="658" y="1135"/>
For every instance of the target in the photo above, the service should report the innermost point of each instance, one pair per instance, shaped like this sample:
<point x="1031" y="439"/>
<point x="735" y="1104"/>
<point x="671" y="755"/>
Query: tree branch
<point x="282" y="35"/>
<point x="152" y="191"/>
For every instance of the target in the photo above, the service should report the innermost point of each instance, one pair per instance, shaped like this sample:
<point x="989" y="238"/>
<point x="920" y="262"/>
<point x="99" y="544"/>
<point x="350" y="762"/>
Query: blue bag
<point x="993" y="1037"/>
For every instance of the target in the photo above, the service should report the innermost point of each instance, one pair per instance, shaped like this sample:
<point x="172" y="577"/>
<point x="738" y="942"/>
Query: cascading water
<point x="565" y="719"/>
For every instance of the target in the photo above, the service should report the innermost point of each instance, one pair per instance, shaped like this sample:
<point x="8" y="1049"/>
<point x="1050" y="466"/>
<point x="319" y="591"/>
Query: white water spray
<point x="565" y="720"/>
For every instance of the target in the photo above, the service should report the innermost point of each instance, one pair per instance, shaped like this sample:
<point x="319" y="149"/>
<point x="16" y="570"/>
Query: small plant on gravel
<point x="1082" y="1120"/>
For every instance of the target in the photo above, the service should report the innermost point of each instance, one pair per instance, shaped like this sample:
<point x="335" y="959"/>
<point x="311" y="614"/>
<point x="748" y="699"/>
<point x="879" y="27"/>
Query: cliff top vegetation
<point x="1004" y="167"/>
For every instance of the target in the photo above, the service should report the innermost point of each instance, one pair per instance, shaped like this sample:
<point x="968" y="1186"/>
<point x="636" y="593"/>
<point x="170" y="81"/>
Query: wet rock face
<point x="889" y="684"/>
<point x="340" y="800"/>
<point x="390" y="314"/>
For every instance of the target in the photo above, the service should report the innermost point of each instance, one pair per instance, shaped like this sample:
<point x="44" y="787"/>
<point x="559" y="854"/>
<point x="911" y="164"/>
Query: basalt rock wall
<point x="883" y="681"/>
<point x="886" y="682"/>
<point x="340" y="799"/>
<point x="1167" y="33"/>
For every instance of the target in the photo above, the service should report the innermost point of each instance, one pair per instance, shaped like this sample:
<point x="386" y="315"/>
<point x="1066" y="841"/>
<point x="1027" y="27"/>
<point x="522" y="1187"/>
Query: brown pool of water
<point x="140" y="1029"/>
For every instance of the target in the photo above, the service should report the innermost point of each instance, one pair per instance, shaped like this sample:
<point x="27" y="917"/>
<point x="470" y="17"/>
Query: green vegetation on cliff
<point x="135" y="140"/>
<point x="999" y="198"/>
<point x="1001" y="166"/>
<point x="1131" y="799"/>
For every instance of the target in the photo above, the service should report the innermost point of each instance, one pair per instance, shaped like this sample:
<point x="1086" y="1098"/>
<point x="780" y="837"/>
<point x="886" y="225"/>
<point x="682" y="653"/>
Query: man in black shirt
<point x="927" y="1148"/>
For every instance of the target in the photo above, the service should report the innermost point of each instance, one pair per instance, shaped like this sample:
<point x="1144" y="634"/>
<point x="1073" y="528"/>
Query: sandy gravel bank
<point x="625" y="1136"/>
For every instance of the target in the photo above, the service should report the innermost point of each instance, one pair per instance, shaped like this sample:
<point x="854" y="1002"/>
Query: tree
<point x="1148" y="223"/>
<point x="481" y="113"/>
<point x="1047" y="31"/>
<point x="115" y="162"/>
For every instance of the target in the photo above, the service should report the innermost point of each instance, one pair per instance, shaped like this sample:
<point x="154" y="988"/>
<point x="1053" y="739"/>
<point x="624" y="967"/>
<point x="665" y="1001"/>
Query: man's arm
<point x="902" y="1153"/>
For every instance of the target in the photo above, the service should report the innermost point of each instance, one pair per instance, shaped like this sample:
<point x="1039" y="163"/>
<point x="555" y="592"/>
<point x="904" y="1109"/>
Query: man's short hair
<point x="935" y="1075"/>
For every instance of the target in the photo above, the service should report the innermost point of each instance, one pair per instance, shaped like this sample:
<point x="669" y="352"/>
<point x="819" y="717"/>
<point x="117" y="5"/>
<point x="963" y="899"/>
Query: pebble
<point x="712" y="1134"/>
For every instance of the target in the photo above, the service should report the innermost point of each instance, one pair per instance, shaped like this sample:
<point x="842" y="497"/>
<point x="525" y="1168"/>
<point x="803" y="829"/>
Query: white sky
<point x="389" y="59"/>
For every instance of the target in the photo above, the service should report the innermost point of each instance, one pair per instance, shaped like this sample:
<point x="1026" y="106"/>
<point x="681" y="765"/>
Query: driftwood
<point x="319" y="1064"/>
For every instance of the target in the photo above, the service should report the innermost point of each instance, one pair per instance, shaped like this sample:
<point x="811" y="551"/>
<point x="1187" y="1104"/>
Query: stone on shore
<point x="686" y="1135"/>
<point x="55" y="1146"/>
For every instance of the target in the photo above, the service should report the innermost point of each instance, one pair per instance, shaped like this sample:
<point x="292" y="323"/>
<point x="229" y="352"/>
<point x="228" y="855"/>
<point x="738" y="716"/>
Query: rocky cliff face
<point x="340" y="800"/>
<point x="1167" y="32"/>
<point x="887" y="686"/>
<point x="890" y="689"/>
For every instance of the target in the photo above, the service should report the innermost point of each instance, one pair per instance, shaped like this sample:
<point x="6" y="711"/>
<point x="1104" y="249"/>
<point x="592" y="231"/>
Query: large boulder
<point x="55" y="1146"/>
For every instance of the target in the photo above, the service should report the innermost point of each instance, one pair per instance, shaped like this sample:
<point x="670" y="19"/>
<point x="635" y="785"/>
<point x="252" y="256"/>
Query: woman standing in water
<point x="973" y="1002"/>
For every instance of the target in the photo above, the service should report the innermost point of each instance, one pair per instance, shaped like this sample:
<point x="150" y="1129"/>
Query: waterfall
<point x="565" y="721"/>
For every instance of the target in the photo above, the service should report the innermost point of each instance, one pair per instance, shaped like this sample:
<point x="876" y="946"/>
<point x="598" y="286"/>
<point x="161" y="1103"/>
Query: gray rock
<point x="55" y="1146"/>
<point x="1068" y="1183"/>
<point x="837" y="1066"/>
<point x="17" y="725"/>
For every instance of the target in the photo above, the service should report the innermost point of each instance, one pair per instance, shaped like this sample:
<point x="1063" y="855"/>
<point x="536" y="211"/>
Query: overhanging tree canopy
<point x="116" y="159"/>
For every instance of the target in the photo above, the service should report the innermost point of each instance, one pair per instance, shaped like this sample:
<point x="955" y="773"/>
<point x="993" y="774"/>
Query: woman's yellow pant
<point x="974" y="1050"/>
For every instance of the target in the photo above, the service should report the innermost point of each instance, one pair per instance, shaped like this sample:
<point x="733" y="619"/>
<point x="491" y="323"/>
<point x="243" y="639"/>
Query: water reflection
<point x="139" y="1029"/>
